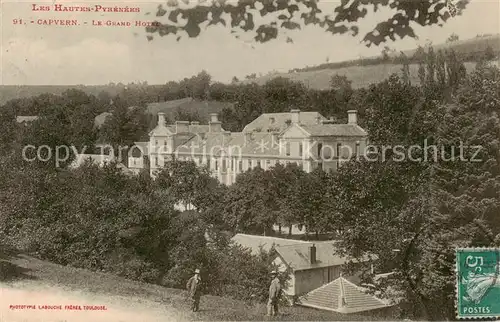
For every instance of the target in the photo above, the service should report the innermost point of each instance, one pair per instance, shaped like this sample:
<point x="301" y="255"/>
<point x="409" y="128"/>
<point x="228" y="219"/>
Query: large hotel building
<point x="305" y="138"/>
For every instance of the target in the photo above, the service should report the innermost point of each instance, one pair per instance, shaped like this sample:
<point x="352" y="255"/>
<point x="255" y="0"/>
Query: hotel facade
<point x="307" y="139"/>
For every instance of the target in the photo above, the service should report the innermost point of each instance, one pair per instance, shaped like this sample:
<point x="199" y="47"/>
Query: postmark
<point x="478" y="283"/>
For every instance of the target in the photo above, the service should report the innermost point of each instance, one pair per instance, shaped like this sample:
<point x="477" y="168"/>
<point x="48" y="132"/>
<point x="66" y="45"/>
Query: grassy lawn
<point x="18" y="270"/>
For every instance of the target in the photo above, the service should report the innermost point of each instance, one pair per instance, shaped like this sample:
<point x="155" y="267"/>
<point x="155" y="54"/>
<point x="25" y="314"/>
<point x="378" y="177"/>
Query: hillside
<point x="361" y="76"/>
<point x="467" y="47"/>
<point x="27" y="280"/>
<point x="363" y="72"/>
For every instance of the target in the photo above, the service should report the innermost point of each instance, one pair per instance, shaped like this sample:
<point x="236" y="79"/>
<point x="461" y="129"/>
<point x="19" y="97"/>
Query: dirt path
<point x="117" y="308"/>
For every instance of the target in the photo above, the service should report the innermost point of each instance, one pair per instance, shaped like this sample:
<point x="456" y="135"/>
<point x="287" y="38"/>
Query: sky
<point x="33" y="54"/>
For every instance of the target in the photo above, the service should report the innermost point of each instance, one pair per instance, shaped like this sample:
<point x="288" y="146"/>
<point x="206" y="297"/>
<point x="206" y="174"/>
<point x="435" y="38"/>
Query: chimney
<point x="181" y="126"/>
<point x="312" y="253"/>
<point x="352" y="117"/>
<point x="214" y="117"/>
<point x="161" y="119"/>
<point x="295" y="116"/>
<point x="214" y="125"/>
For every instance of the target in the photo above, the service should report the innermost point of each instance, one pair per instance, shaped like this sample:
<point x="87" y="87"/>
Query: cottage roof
<point x="297" y="256"/>
<point x="254" y="242"/>
<point x="342" y="296"/>
<point x="278" y="121"/>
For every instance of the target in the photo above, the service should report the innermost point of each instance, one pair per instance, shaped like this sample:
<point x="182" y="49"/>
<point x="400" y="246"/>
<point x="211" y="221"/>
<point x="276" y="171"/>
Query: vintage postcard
<point x="249" y="160"/>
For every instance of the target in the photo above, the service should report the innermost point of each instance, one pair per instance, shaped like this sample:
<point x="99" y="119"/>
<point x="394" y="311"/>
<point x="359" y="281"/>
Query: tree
<point x="391" y="105"/>
<point x="430" y="208"/>
<point x="431" y="67"/>
<point x="281" y="93"/>
<point x="250" y="204"/>
<point x="186" y="183"/>
<point x="385" y="53"/>
<point x="489" y="54"/>
<point x="197" y="86"/>
<point x="316" y="213"/>
<point x="405" y="69"/>
<point x="453" y="38"/>
<point x="441" y="69"/>
<point x="240" y="15"/>
<point x="124" y="126"/>
<point x="343" y="91"/>
<point x="419" y="56"/>
<point x="285" y="187"/>
<point x="455" y="70"/>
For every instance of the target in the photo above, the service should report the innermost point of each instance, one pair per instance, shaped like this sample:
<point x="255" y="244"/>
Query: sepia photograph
<point x="249" y="160"/>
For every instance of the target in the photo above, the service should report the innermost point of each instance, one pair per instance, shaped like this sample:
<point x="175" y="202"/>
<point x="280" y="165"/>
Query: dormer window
<point x="272" y="120"/>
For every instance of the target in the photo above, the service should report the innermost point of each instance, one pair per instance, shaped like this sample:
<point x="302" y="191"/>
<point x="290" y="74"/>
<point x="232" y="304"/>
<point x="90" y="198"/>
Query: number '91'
<point x="17" y="21"/>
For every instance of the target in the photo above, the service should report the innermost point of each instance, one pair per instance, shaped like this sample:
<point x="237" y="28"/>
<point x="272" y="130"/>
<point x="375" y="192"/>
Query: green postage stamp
<point x="478" y="285"/>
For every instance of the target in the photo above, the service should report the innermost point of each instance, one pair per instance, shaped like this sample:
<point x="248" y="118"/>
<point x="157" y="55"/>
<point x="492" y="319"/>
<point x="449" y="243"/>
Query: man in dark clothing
<point x="274" y="294"/>
<point x="194" y="288"/>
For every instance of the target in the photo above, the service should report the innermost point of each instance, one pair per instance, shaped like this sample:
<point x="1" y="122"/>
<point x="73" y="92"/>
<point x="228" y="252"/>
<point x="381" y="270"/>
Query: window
<point x="240" y="166"/>
<point x="156" y="142"/>
<point x="287" y="149"/>
<point x="224" y="165"/>
<point x="156" y="161"/>
<point x="268" y="164"/>
<point x="300" y="149"/>
<point x="249" y="163"/>
<point x="271" y="120"/>
<point x="320" y="147"/>
<point x="216" y="166"/>
<point x="261" y="164"/>
<point x="357" y="148"/>
<point x="338" y="149"/>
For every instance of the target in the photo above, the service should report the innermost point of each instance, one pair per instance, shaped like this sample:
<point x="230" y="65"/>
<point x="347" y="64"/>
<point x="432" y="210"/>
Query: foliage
<point x="124" y="126"/>
<point x="391" y="106"/>
<point x="99" y="219"/>
<point x="426" y="209"/>
<point x="189" y="184"/>
<point x="241" y="15"/>
<point x="453" y="37"/>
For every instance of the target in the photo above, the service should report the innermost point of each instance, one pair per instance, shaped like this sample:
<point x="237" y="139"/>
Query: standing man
<point x="274" y="294"/>
<point x="194" y="288"/>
